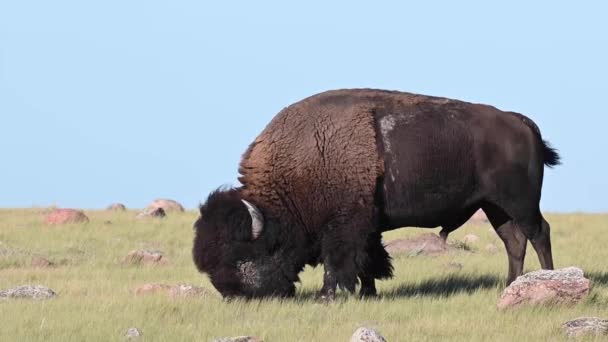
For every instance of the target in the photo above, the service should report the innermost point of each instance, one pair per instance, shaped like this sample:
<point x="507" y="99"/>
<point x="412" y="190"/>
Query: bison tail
<point x="550" y="155"/>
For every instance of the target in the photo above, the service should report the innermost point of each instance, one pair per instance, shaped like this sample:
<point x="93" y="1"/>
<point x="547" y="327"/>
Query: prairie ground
<point x="426" y="300"/>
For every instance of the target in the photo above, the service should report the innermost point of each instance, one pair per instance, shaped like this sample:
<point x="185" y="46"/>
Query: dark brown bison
<point x="332" y="172"/>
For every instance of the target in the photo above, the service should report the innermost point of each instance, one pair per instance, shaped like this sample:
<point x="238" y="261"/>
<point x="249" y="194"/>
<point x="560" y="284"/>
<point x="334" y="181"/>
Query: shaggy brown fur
<point x="331" y="172"/>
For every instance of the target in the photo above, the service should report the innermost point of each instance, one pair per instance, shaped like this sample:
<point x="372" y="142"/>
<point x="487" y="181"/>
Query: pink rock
<point x="63" y="216"/>
<point x="166" y="204"/>
<point x="479" y="217"/>
<point x="40" y="262"/>
<point x="563" y="286"/>
<point x="144" y="257"/>
<point x="151" y="288"/>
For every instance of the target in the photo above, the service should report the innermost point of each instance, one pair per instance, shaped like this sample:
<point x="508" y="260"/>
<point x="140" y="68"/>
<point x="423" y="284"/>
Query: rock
<point x="63" y="216"/>
<point x="40" y="262"/>
<point x="425" y="244"/>
<point x="133" y="333"/>
<point x="470" y="238"/>
<point x="367" y="335"/>
<point x="479" y="217"/>
<point x="491" y="248"/>
<point x="116" y="207"/>
<point x="173" y="291"/>
<point x="156" y="212"/>
<point x="37" y="292"/>
<point x="144" y="257"/>
<point x="184" y="290"/>
<point x="563" y="286"/>
<point x="239" y="339"/>
<point x="166" y="204"/>
<point x="594" y="326"/>
<point x="454" y="265"/>
<point x="151" y="289"/>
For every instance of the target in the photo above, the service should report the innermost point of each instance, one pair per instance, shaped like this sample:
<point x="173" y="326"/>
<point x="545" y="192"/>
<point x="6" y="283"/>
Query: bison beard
<point x="330" y="173"/>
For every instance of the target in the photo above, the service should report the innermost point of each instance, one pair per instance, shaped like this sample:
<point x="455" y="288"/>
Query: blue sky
<point x="105" y="101"/>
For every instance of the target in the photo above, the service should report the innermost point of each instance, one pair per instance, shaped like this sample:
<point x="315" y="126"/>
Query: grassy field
<point x="426" y="301"/>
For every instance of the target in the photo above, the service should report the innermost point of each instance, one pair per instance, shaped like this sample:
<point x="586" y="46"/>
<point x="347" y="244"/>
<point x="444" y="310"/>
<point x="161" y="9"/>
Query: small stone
<point x="239" y="339"/>
<point x="133" y="333"/>
<point x="40" y="262"/>
<point x="581" y="326"/>
<point x="151" y="288"/>
<point x="166" y="204"/>
<point x="470" y="238"/>
<point x="563" y="286"/>
<point x="454" y="265"/>
<point x="116" y="207"/>
<point x="364" y="334"/>
<point x="185" y="290"/>
<point x="491" y="248"/>
<point x="173" y="291"/>
<point x="36" y="292"/>
<point x="144" y="257"/>
<point x="64" y="216"/>
<point x="155" y="212"/>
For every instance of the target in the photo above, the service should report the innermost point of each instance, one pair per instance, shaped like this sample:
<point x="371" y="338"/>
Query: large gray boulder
<point x="563" y="286"/>
<point x="581" y="326"/>
<point x="36" y="292"/>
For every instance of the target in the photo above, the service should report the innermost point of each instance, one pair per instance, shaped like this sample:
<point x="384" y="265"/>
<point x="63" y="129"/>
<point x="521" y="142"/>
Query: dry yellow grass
<point x="426" y="301"/>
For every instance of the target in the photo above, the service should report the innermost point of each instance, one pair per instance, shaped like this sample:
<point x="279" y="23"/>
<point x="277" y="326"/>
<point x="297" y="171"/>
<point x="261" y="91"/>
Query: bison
<point x="332" y="172"/>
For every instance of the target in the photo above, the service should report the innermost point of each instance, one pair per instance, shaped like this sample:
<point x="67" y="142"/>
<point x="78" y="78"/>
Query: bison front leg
<point x="345" y="254"/>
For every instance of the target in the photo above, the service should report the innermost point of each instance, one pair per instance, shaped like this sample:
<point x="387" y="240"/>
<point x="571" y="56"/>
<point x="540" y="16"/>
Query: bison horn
<point x="257" y="219"/>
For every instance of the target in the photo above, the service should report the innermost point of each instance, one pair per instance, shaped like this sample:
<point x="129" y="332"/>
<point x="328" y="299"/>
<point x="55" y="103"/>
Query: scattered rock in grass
<point x="36" y="292"/>
<point x="133" y="333"/>
<point x="116" y="207"/>
<point x="239" y="339"/>
<point x="151" y="289"/>
<point x="156" y="213"/>
<point x="364" y="334"/>
<point x="454" y="266"/>
<point x="185" y="290"/>
<point x="479" y="217"/>
<point x="470" y="239"/>
<point x="63" y="216"/>
<point x="166" y="204"/>
<point x="173" y="291"/>
<point x="491" y="248"/>
<point x="563" y="286"/>
<point x="582" y="326"/>
<point x="424" y="244"/>
<point x="144" y="257"/>
<point x="41" y="262"/>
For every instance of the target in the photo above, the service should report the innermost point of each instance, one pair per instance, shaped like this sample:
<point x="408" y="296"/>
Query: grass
<point x="426" y="301"/>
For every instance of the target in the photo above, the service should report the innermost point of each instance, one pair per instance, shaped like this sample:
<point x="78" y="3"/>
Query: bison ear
<point x="257" y="219"/>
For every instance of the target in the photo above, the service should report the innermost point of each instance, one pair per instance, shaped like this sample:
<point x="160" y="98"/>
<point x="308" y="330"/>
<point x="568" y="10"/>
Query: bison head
<point x="234" y="246"/>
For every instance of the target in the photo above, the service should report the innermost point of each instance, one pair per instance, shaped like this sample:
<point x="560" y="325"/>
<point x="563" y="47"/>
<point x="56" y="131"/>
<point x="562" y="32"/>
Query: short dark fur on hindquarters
<point x="332" y="172"/>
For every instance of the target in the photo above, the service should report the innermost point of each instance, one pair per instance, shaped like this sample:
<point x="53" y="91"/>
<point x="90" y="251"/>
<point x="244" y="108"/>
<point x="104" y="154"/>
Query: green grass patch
<point x="426" y="301"/>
